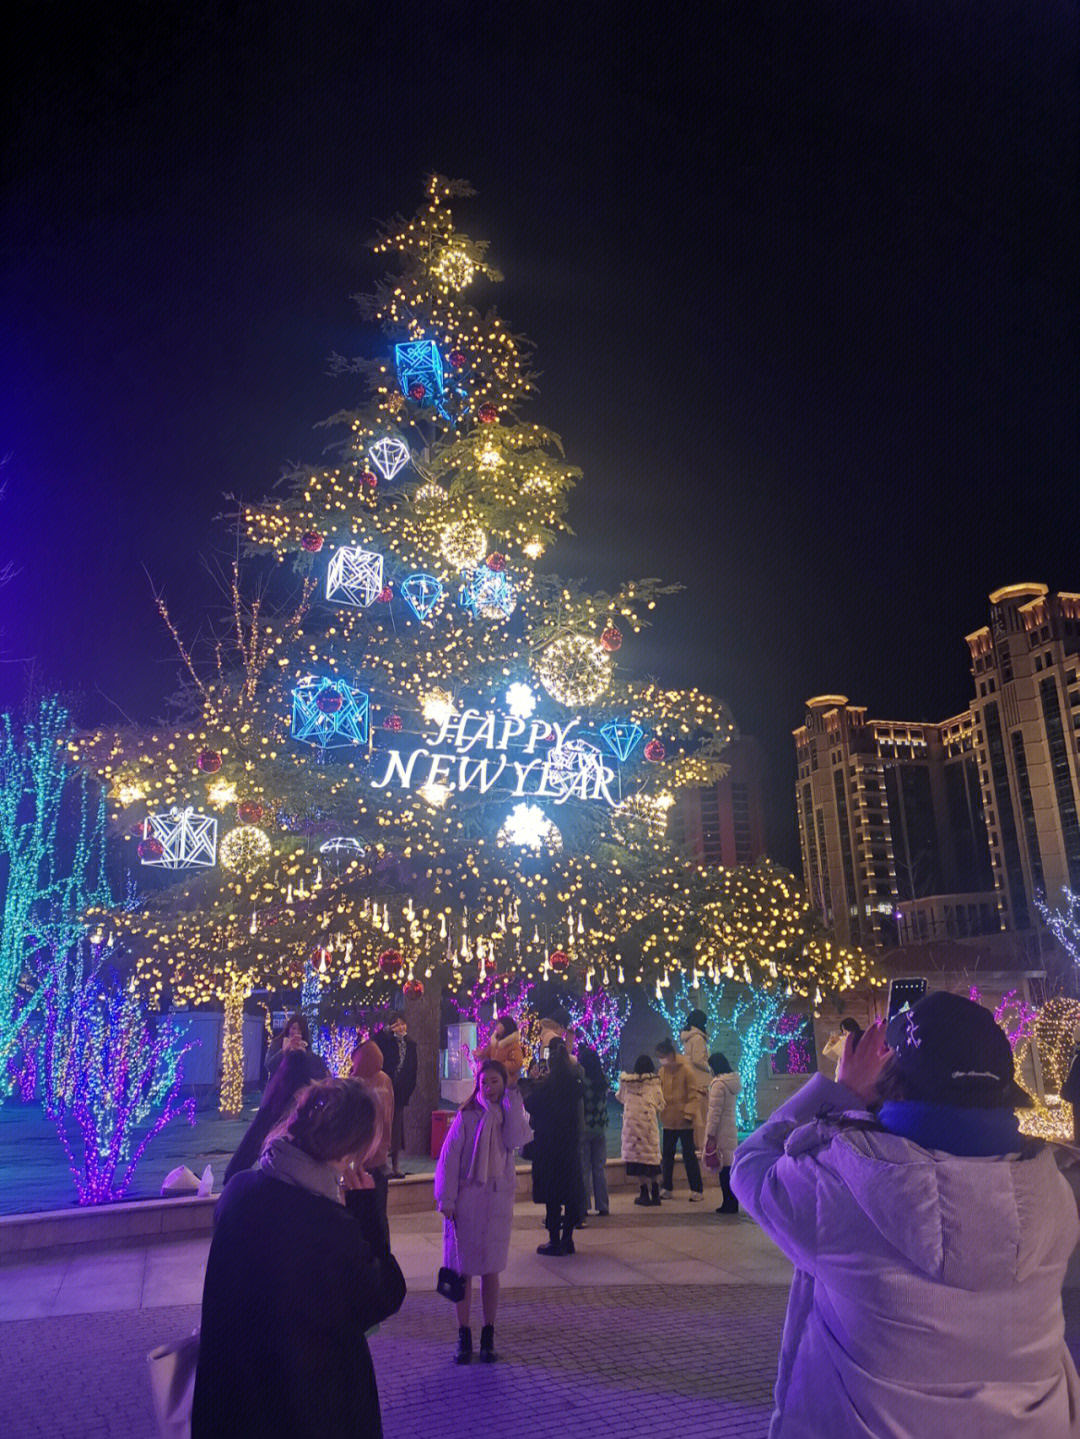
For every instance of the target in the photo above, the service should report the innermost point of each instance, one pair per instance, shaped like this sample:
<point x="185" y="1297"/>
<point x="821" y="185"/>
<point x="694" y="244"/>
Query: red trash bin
<point x="441" y="1120"/>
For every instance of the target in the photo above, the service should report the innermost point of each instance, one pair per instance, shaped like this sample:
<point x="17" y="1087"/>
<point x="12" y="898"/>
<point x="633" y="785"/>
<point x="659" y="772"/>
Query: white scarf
<point x="488" y="1160"/>
<point x="284" y="1161"/>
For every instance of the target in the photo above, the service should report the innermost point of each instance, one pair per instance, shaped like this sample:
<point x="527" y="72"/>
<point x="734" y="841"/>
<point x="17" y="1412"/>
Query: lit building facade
<point x="1026" y="713"/>
<point x="894" y="844"/>
<point x="724" y="824"/>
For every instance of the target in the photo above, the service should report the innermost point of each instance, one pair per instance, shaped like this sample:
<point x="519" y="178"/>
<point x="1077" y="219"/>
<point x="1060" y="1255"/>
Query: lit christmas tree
<point x="427" y="764"/>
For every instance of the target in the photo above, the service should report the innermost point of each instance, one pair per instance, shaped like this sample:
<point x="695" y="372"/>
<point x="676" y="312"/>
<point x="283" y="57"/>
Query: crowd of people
<point x="929" y="1237"/>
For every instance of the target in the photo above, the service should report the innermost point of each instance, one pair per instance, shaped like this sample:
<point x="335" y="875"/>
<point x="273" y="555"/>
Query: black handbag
<point x="451" y="1285"/>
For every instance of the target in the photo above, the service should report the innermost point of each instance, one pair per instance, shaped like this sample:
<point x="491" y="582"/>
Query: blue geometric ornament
<point x="419" y="363"/>
<point x="488" y="594"/>
<point x="388" y="456"/>
<point x="423" y="593"/>
<point x="621" y="736"/>
<point x="329" y="713"/>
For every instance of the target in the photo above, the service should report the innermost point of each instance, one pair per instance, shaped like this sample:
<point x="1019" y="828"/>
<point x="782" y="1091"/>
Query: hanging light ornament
<point x="389" y="455"/>
<point x="428" y="497"/>
<point x="574" y="670"/>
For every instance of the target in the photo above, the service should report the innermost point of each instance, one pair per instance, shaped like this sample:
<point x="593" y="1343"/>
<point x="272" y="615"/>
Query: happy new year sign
<point x="477" y="749"/>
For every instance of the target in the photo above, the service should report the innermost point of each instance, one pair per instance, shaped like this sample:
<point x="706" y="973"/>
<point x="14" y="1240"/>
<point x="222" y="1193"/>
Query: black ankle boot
<point x="567" y="1239"/>
<point x="487" y="1344"/>
<point x="656" y="1201"/>
<point x="464" y="1346"/>
<point x="643" y="1197"/>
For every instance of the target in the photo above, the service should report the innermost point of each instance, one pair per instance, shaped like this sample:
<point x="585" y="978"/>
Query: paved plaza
<point x="663" y="1321"/>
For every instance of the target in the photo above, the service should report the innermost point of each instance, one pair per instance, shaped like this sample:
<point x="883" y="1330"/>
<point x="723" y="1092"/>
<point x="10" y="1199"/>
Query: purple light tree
<point x="103" y="1073"/>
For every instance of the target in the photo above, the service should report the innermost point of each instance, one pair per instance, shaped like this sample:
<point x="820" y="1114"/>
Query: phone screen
<point x="545" y="1053"/>
<point x="903" y="993"/>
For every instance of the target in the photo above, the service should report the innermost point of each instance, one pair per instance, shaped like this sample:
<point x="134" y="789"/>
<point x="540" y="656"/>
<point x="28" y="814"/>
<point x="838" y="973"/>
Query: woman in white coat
<point x="930" y="1240"/>
<point x="474" y="1190"/>
<point x="721" y="1136"/>
<point x="642" y="1097"/>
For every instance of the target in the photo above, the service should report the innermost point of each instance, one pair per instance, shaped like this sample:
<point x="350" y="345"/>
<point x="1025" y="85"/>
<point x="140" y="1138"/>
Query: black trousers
<point x="560" y="1222"/>
<point x="730" y="1203"/>
<point x="672" y="1137"/>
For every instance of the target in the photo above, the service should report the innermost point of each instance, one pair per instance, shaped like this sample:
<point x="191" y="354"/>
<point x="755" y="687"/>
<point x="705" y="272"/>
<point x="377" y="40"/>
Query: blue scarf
<point x="969" y="1133"/>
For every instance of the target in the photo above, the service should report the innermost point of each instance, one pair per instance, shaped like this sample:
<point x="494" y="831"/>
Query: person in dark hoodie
<point x="294" y="1068"/>
<point x="930" y="1240"/>
<point x="298" y="1272"/>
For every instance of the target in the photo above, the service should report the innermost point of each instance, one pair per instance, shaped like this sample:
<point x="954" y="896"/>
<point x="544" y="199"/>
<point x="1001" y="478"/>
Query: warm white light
<point x="489" y="458"/>
<point x="463" y="544"/>
<point x="534" y="549"/>
<point x="574" y="670"/>
<point x="434" y="793"/>
<point x="437" y="706"/>
<point x="389" y="456"/>
<point x="130" y="793"/>
<point x="520" y="700"/>
<point x="245" y="849"/>
<point x="529" y="827"/>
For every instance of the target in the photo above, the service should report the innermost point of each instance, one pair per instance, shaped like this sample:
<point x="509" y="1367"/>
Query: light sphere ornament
<point x="429" y="497"/>
<point x="528" y="827"/>
<point x="574" y="670"/>
<point x="311" y="541"/>
<point x="389" y="455"/>
<point x="413" y="988"/>
<point x="611" y="639"/>
<point x="245" y="849"/>
<point x="463" y="544"/>
<point x="520" y="700"/>
<point x="209" y="761"/>
<point x="559" y="960"/>
<point x="390" y="961"/>
<point x="455" y="269"/>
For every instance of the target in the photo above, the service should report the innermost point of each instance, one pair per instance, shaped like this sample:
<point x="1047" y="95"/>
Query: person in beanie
<point x="642" y="1098"/>
<point x="695" y="1047"/>
<point x="474" y="1190"/>
<point x="720" y="1134"/>
<point x="557" y="1112"/>
<point x="930" y="1240"/>
<point x="677" y="1118"/>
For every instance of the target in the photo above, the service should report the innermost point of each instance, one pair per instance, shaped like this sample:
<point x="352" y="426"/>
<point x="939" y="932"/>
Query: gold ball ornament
<point x="574" y="670"/>
<point x="245" y="849"/>
<point x="463" y="544"/>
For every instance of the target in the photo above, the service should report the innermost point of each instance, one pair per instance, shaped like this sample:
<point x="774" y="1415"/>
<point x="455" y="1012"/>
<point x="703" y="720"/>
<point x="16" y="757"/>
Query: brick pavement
<point x="601" y="1357"/>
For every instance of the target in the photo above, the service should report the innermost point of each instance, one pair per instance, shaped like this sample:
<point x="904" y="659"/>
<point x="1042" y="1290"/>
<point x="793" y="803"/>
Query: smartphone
<point x="545" y="1053"/>
<point x="903" y="993"/>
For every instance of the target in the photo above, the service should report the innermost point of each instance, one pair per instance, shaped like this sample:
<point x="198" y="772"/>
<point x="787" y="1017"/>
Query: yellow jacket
<point x="680" y="1094"/>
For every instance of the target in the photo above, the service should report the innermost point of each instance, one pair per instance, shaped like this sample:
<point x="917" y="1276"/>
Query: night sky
<point x="803" y="279"/>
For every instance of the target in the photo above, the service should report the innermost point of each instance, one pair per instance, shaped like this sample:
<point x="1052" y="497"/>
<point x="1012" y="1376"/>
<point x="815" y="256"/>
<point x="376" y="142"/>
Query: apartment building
<point x="724" y="824"/>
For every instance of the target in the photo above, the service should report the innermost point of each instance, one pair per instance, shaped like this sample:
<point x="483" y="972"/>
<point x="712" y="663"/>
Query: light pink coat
<point x="926" y="1302"/>
<point x="478" y="1240"/>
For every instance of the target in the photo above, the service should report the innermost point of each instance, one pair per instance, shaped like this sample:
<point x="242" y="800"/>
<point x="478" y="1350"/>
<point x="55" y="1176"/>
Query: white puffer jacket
<point x="720" y="1123"/>
<point x="642" y="1099"/>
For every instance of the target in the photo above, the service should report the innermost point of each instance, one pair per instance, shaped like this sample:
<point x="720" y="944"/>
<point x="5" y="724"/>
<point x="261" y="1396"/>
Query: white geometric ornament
<point x="389" y="456"/>
<point x="575" y="757"/>
<point x="188" y="840"/>
<point x="355" y="577"/>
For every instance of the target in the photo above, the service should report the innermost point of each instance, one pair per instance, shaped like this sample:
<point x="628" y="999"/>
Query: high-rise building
<point x="724" y="824"/>
<point x="913" y="831"/>
<point x="894" y="846"/>
<point x="1026" y="714"/>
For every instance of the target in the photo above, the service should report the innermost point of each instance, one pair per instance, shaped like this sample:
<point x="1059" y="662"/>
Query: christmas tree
<point x="423" y="760"/>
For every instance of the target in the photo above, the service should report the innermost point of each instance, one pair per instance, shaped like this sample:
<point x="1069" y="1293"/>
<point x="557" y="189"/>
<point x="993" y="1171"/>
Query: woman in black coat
<point x="299" y="1271"/>
<point x="556" y="1109"/>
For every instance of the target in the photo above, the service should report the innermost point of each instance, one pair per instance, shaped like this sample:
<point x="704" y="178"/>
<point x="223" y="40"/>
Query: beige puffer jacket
<point x="642" y="1099"/>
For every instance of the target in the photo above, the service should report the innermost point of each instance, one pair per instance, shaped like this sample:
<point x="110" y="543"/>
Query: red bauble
<point x="392" y="722"/>
<point x="457" y="359"/>
<point x="369" y="478"/>
<point x="311" y="541"/>
<point x="413" y="988"/>
<point x="611" y="639"/>
<point x="559" y="960"/>
<point x="496" y="562"/>
<point x="209" y="761"/>
<point x="151" y="848"/>
<point x="417" y="392"/>
<point x="249" y="811"/>
<point x="390" y="960"/>
<point x="329" y="702"/>
<point x="385" y="595"/>
<point x="491" y="964"/>
<point x="320" y="960"/>
<point x="654" y="751"/>
<point x="488" y="413"/>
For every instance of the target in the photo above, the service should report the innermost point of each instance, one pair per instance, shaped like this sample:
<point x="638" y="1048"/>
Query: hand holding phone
<point x="903" y="993"/>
